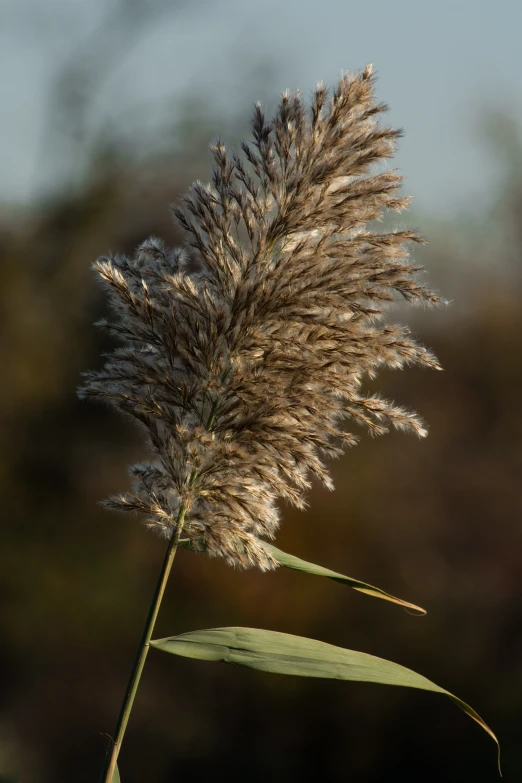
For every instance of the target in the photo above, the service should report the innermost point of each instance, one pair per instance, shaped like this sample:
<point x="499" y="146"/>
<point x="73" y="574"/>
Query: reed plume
<point x="244" y="352"/>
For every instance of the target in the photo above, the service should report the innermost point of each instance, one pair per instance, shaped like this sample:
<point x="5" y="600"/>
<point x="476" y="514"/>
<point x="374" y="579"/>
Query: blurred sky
<point x="440" y="66"/>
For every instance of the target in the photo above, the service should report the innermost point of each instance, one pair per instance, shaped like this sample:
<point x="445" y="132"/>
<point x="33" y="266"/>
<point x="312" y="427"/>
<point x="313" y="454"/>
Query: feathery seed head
<point x="244" y="353"/>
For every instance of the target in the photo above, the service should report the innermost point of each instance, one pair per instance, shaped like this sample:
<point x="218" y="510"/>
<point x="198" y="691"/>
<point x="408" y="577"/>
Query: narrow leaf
<point x="282" y="653"/>
<point x="290" y="561"/>
<point x="116" y="776"/>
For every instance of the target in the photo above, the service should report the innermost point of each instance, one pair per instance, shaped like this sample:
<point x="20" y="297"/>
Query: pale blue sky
<point x="440" y="64"/>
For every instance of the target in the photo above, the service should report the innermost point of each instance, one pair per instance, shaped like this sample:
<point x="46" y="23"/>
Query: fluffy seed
<point x="243" y="354"/>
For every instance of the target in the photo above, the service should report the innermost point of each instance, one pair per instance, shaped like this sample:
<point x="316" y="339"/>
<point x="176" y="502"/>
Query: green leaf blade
<point x="280" y="653"/>
<point x="295" y="563"/>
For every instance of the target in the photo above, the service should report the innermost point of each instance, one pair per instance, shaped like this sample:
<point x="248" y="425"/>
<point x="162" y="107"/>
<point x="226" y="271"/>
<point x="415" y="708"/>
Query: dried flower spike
<point x="244" y="353"/>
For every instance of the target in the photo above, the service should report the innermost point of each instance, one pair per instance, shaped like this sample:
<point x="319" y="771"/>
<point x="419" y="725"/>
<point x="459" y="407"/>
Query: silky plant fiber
<point x="245" y="351"/>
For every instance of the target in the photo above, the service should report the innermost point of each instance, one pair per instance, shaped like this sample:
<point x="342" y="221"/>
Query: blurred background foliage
<point x="436" y="522"/>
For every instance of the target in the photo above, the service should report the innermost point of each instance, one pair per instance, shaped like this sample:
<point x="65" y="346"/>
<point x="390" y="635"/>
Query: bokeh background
<point x="107" y="111"/>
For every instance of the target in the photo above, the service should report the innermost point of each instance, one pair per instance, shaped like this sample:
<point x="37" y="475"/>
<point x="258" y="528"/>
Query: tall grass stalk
<point x="244" y="353"/>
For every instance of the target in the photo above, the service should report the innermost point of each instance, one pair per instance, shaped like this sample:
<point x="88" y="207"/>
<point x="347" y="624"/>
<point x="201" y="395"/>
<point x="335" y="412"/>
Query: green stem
<point x="143" y="649"/>
<point x="139" y="663"/>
